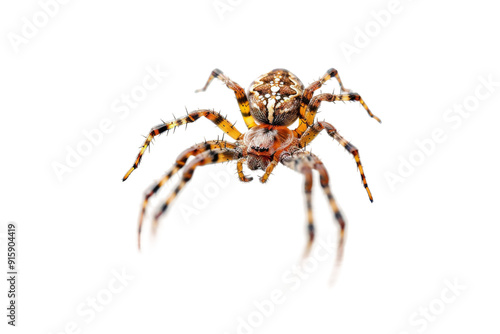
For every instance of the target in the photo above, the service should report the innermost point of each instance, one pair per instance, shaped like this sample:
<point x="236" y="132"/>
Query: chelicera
<point x="273" y="102"/>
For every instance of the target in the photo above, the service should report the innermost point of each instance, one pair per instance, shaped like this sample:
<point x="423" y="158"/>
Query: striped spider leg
<point x="305" y="162"/>
<point x="193" y="151"/>
<point x="309" y="105"/>
<point x="239" y="92"/>
<point x="213" y="116"/>
<point x="217" y="155"/>
<point x="272" y="103"/>
<point x="316" y="128"/>
<point x="308" y="93"/>
<point x="326" y="97"/>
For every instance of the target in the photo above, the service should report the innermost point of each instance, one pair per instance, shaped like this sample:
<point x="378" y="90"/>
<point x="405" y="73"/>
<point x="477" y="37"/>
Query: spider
<point x="273" y="102"/>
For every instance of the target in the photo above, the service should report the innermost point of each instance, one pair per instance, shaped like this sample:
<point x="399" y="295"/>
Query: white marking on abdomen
<point x="270" y="110"/>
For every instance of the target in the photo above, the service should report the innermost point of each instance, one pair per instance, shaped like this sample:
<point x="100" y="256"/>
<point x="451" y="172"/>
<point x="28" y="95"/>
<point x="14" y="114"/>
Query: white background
<point x="438" y="223"/>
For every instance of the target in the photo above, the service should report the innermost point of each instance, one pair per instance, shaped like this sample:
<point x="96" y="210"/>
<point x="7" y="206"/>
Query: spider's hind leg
<point x="239" y="92"/>
<point x="308" y="93"/>
<point x="326" y="97"/>
<point x="194" y="150"/>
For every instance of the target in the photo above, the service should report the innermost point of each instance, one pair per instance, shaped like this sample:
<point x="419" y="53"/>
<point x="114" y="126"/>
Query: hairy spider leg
<point x="210" y="157"/>
<point x="326" y="97"/>
<point x="304" y="162"/>
<point x="301" y="162"/>
<point x="239" y="169"/>
<point x="238" y="91"/>
<point x="213" y="116"/>
<point x="308" y="93"/>
<point x="316" y="128"/>
<point x="194" y="150"/>
<point x="270" y="167"/>
<point x="324" y="181"/>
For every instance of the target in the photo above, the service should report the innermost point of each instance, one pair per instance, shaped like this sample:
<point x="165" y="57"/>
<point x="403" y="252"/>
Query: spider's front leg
<point x="239" y="92"/>
<point x="324" y="181"/>
<point x="316" y="128"/>
<point x="194" y="150"/>
<point x="213" y="116"/>
<point x="210" y="157"/>
<point x="304" y="162"/>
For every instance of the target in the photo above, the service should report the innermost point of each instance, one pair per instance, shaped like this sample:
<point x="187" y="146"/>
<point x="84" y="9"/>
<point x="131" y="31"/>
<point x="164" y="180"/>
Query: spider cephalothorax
<point x="274" y="101"/>
<point x="262" y="143"/>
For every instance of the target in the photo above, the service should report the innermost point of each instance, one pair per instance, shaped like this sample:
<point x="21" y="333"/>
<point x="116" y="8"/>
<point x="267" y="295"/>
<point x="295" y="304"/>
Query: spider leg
<point x="305" y="162"/>
<point x="308" y="93"/>
<point x="302" y="162"/>
<point x="316" y="102"/>
<point x="239" y="168"/>
<point x="238" y="91"/>
<point x="209" y="157"/>
<point x="213" y="116"/>
<point x="324" y="181"/>
<point x="270" y="168"/>
<point x="316" y="128"/>
<point x="194" y="150"/>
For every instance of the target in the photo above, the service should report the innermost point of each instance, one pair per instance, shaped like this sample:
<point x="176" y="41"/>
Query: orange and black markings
<point x="273" y="102"/>
<point x="213" y="116"/>
<point x="316" y="128"/>
<point x="239" y="170"/>
<point x="180" y="162"/>
<point x="239" y="92"/>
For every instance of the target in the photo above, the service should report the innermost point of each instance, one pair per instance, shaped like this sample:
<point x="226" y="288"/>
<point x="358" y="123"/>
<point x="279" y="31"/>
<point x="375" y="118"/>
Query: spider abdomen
<point x="275" y="98"/>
